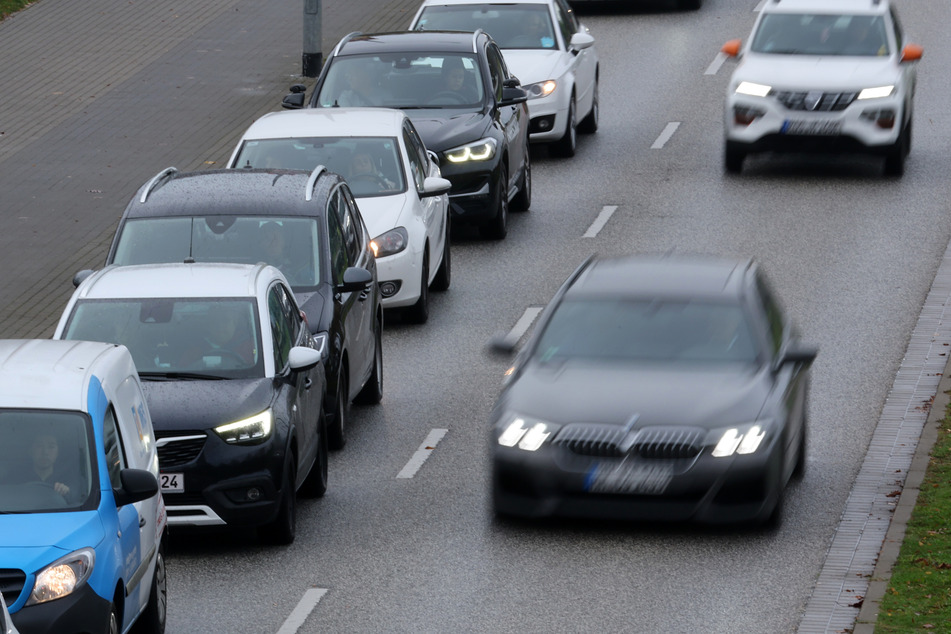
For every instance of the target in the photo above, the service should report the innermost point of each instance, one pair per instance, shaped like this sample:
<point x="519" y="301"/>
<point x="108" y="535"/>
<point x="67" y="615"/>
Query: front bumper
<point x="402" y="270"/>
<point x="550" y="482"/>
<point x="472" y="197"/>
<point x="81" y="611"/>
<point x="548" y="117"/>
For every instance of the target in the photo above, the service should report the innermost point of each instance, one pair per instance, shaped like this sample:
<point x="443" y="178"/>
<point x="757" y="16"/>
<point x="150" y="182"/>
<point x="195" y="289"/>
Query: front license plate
<point x="638" y="479"/>
<point x="172" y="482"/>
<point x="816" y="128"/>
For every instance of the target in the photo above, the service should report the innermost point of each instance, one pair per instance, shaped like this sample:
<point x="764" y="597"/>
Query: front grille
<point x="175" y="453"/>
<point x="612" y="441"/>
<point x="815" y="101"/>
<point x="11" y="584"/>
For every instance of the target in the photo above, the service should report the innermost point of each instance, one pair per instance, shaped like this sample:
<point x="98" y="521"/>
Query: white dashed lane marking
<point x="304" y="607"/>
<point x="606" y="212"/>
<point x="416" y="462"/>
<point x="665" y="135"/>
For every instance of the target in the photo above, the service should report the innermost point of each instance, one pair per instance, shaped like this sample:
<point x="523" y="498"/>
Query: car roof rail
<point x="156" y="181"/>
<point x="312" y="182"/>
<point x="346" y="38"/>
<point x="475" y="40"/>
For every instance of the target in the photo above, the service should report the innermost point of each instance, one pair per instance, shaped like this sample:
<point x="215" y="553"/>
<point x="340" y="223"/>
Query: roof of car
<point x="359" y="122"/>
<point x="664" y="276"/>
<point x="177" y="280"/>
<point x="239" y="192"/>
<point x="409" y="42"/>
<point x="52" y="374"/>
<point x="826" y="6"/>
<point x="430" y="3"/>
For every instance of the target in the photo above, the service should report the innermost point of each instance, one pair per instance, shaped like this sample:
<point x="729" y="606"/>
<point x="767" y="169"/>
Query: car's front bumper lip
<point x="81" y="611"/>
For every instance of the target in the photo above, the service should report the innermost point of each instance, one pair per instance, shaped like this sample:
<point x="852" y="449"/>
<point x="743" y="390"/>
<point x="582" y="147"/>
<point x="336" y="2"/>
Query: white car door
<point x="432" y="209"/>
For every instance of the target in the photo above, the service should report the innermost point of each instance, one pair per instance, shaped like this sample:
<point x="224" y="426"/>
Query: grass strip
<point x="9" y="7"/>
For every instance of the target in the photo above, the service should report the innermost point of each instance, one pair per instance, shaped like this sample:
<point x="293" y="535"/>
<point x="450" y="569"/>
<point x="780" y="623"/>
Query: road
<point x="852" y="253"/>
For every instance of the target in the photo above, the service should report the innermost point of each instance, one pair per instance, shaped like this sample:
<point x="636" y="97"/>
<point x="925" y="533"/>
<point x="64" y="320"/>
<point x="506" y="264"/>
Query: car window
<point x="219" y="337"/>
<point x="821" y="34"/>
<point x="774" y="314"/>
<point x="371" y="165"/>
<point x="289" y="243"/>
<point x="339" y="260"/>
<point x="510" y="25"/>
<point x="647" y="331"/>
<point x="896" y="26"/>
<point x="417" y="160"/>
<point x="497" y="70"/>
<point x="115" y="454"/>
<point x="284" y="324"/>
<point x="566" y="24"/>
<point x="403" y="80"/>
<point x="563" y="8"/>
<point x="47" y="461"/>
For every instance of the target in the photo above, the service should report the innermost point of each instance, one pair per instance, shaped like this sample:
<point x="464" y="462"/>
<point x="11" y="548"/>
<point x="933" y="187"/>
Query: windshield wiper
<point x="174" y="376"/>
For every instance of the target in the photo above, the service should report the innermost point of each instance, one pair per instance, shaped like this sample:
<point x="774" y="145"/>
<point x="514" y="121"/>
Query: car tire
<point x="315" y="484"/>
<point x="895" y="159"/>
<point x="444" y="273"/>
<point x="565" y="146"/>
<point x="283" y="528"/>
<point x="372" y="392"/>
<point x="589" y="125"/>
<point x="497" y="227"/>
<point x="418" y="313"/>
<point x="733" y="159"/>
<point x="523" y="199"/>
<point x="799" y="470"/>
<point x="112" y="625"/>
<point x="338" y="432"/>
<point x="153" y="618"/>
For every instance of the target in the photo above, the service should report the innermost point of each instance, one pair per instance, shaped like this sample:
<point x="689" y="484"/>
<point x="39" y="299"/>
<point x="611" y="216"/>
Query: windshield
<point x="629" y="330"/>
<point x="371" y="165"/>
<point x="46" y="462"/>
<point x="290" y="244"/>
<point x="510" y="25"/>
<point x="403" y="80"/>
<point x="821" y="34"/>
<point x="217" y="337"/>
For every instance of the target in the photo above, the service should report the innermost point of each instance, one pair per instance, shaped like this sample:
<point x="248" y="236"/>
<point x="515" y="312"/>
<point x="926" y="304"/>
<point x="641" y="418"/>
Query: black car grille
<point x="176" y="453"/>
<point x="827" y="101"/>
<point x="611" y="441"/>
<point x="11" y="584"/>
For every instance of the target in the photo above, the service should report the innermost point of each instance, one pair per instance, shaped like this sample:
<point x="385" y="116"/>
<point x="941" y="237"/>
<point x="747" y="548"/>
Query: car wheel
<point x="497" y="227"/>
<point x="315" y="485"/>
<point x="284" y="527"/>
<point x="733" y="159"/>
<point x="589" y="125"/>
<point x="152" y="619"/>
<point x="566" y="145"/>
<point x="418" y="313"/>
<point x="895" y="159"/>
<point x="338" y="432"/>
<point x="372" y="392"/>
<point x="113" y="625"/>
<point x="444" y="273"/>
<point x="799" y="470"/>
<point x="523" y="199"/>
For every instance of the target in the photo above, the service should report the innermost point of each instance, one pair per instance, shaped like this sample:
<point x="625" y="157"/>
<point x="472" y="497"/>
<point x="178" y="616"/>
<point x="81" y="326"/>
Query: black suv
<point x="467" y="107"/>
<point x="307" y="225"/>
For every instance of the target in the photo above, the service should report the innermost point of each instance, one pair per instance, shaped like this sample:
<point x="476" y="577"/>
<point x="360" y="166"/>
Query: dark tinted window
<point x="510" y="25"/>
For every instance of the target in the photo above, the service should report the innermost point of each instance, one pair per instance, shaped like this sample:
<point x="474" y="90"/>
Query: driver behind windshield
<point x="44" y="466"/>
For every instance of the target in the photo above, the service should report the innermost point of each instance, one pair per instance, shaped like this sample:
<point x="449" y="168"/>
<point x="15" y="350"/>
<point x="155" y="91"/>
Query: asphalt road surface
<point x="852" y="253"/>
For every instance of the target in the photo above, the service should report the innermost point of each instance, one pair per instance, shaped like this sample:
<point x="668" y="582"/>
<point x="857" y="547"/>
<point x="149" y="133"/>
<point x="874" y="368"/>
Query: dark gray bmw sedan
<point x="654" y="388"/>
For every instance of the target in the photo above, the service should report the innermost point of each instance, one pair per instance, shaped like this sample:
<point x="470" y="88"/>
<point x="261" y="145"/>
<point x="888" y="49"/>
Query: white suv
<point x="822" y="76"/>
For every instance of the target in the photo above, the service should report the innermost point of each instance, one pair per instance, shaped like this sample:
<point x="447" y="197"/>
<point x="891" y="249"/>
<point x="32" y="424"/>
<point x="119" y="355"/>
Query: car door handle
<point x="307" y="383"/>
<point x="363" y="296"/>
<point x="142" y="521"/>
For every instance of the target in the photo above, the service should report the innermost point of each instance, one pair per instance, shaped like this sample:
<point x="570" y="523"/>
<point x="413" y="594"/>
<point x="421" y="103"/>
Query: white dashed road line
<point x="606" y="212"/>
<point x="665" y="135"/>
<point x="524" y="323"/>
<point x="422" y="453"/>
<point x="304" y="607"/>
<point x="716" y="64"/>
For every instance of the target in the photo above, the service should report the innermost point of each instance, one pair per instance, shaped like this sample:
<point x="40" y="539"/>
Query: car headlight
<point x="390" y="243"/>
<point x="741" y="439"/>
<point x="62" y="577"/>
<point x="247" y="431"/>
<point x="877" y="93"/>
<point x="525" y="432"/>
<point x="752" y="89"/>
<point x="482" y="150"/>
<point x="541" y="89"/>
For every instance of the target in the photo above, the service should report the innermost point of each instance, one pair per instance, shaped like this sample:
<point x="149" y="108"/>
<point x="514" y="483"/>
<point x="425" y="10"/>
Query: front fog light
<point x="62" y="577"/>
<point x="884" y="118"/>
<point x="250" y="430"/>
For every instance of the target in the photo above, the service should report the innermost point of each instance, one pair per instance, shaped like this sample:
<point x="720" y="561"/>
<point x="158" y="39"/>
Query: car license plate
<point x="816" y="128"/>
<point x="172" y="482"/>
<point x="641" y="479"/>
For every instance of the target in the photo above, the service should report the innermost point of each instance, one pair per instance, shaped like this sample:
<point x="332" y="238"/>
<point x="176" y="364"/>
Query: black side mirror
<point x="513" y="95"/>
<point x="797" y="353"/>
<point x="82" y="275"/>
<point x="355" y="279"/>
<point x="295" y="100"/>
<point x="137" y="485"/>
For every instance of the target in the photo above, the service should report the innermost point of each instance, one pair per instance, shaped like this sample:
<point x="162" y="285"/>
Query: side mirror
<point x="82" y="275"/>
<point x="732" y="48"/>
<point x="512" y="96"/>
<point x="580" y="41"/>
<point x="137" y="485"/>
<point x="303" y="358"/>
<point x="355" y="279"/>
<point x="797" y="353"/>
<point x="434" y="186"/>
<point x="911" y="53"/>
<point x="295" y="100"/>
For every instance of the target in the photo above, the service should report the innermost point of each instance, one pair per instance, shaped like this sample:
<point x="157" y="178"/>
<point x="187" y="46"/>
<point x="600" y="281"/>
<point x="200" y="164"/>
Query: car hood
<point x="202" y="405"/>
<point x="382" y="213"/>
<point x="810" y="72"/>
<point x="446" y="132"/>
<point x="577" y="391"/>
<point x="532" y="66"/>
<point x="27" y="538"/>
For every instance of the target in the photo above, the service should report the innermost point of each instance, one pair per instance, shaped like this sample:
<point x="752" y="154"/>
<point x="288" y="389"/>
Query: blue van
<point x="82" y="523"/>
